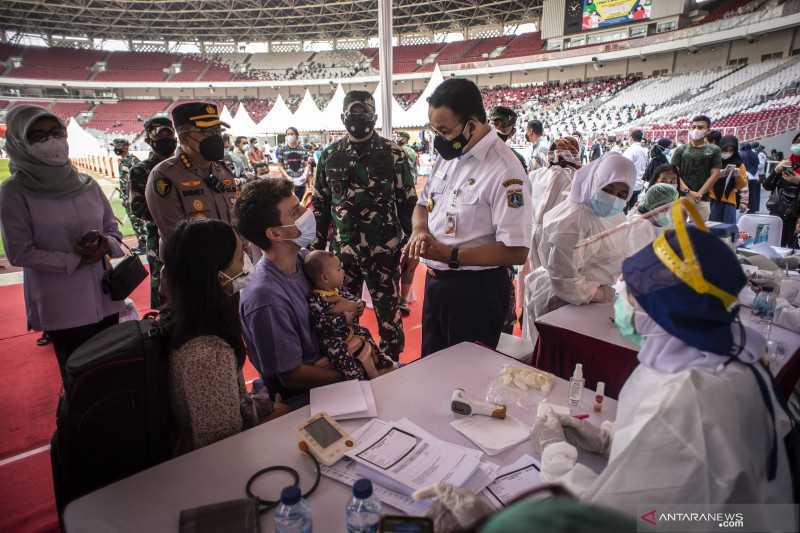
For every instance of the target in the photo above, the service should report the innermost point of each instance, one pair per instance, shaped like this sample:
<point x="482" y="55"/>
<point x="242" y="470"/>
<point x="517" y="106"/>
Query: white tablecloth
<point x="151" y="501"/>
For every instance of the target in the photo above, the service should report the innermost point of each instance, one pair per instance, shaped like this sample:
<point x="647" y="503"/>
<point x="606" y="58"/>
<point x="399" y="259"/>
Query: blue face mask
<point x="623" y="319"/>
<point x="662" y="220"/>
<point x="606" y="205"/>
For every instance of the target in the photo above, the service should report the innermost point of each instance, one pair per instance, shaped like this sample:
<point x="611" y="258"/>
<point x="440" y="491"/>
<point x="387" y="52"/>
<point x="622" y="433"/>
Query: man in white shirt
<point x="472" y="221"/>
<point x="638" y="155"/>
<point x="534" y="134"/>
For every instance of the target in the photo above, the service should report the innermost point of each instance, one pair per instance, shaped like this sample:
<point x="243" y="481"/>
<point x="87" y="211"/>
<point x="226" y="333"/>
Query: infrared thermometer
<point x="460" y="404"/>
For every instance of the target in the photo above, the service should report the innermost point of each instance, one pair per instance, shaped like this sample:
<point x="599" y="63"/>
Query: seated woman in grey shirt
<point x="205" y="269"/>
<point x="58" y="226"/>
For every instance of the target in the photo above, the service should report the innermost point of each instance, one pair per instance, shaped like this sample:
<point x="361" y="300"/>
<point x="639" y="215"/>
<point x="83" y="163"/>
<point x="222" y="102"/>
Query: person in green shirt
<point x="699" y="163"/>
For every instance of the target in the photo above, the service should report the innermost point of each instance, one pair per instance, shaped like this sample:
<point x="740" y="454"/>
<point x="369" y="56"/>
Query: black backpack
<point x="114" y="417"/>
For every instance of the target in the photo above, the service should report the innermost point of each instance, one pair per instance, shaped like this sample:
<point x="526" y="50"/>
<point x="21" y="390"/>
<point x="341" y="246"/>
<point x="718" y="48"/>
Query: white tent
<point x="332" y="116"/>
<point x="81" y="142"/>
<point x="308" y="117"/>
<point x="243" y="124"/>
<point x="417" y="114"/>
<point x="398" y="113"/>
<point x="278" y="119"/>
<point x="225" y="115"/>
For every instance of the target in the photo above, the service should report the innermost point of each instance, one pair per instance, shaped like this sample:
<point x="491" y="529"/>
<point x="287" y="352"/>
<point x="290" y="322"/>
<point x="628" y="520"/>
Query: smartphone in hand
<point x="90" y="239"/>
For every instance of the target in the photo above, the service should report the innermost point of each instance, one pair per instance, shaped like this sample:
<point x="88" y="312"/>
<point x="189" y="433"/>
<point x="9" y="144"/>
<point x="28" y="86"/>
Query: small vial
<point x="599" y="396"/>
<point x="576" y="383"/>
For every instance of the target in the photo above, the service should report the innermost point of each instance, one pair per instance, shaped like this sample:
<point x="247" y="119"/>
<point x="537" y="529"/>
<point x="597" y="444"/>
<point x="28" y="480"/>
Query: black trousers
<point x="66" y="341"/>
<point x="754" y="198"/>
<point x="464" y="306"/>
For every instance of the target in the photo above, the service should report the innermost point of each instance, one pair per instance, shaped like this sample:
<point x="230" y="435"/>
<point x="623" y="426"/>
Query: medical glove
<point x="454" y="509"/>
<point x="547" y="430"/>
<point x="585" y="435"/>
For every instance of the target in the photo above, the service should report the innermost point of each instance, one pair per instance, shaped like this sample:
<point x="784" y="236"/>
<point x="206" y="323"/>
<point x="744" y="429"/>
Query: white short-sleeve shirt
<point x="481" y="197"/>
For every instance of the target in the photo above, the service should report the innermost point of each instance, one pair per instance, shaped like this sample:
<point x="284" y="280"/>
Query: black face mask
<point x="119" y="151"/>
<point x="450" y="148"/>
<point x="165" y="147"/>
<point x="212" y="148"/>
<point x="359" y="125"/>
<point x="503" y="136"/>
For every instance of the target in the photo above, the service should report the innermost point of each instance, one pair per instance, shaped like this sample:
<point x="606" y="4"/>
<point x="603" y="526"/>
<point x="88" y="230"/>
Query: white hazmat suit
<point x="688" y="430"/>
<point x="567" y="275"/>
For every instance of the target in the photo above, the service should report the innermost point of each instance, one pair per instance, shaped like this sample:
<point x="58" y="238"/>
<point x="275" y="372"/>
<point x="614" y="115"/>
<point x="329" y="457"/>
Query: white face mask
<point x="291" y="139"/>
<point x="696" y="135"/>
<point x="307" y="225"/>
<point x="53" y="152"/>
<point x="238" y="282"/>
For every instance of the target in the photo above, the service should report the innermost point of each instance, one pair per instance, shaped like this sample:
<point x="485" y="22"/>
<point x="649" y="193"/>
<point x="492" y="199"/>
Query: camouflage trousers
<point x="139" y="226"/>
<point x="155" y="265"/>
<point x="381" y="273"/>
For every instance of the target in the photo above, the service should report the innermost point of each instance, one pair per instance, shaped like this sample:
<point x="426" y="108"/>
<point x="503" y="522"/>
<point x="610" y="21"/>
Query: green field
<point x="116" y="205"/>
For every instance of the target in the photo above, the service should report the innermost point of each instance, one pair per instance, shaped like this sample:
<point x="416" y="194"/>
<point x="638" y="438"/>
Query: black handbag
<point x="121" y="280"/>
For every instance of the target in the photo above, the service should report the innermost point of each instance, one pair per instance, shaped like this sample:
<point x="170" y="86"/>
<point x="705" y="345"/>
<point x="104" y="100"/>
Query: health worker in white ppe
<point x="567" y="275"/>
<point x="694" y="422"/>
<point x="549" y="187"/>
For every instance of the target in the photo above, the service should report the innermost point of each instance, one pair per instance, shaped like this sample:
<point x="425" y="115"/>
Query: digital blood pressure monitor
<point x="325" y="438"/>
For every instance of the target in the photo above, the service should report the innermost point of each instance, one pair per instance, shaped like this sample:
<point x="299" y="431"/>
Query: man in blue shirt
<point x="281" y="343"/>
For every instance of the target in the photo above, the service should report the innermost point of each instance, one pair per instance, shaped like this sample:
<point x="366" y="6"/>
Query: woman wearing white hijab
<point x="598" y="195"/>
<point x="693" y="419"/>
<point x="58" y="226"/>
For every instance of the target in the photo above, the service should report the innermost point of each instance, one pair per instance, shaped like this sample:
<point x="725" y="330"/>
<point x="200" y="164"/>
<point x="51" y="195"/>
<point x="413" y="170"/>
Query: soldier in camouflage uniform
<point x="126" y="163"/>
<point x="365" y="191"/>
<point x="160" y="135"/>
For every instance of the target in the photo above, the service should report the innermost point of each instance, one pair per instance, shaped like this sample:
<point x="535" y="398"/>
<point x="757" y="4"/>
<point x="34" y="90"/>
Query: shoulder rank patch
<point x="193" y="184"/>
<point x="163" y="186"/>
<point x="509" y="183"/>
<point x="515" y="198"/>
<point x="185" y="161"/>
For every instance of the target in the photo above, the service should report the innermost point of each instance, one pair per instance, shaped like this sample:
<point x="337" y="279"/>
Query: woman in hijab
<point x="58" y="226"/>
<point x="750" y="160"/>
<point x="784" y="202"/>
<point x="732" y="178"/>
<point x="658" y="157"/>
<point x="598" y="195"/>
<point x="698" y="420"/>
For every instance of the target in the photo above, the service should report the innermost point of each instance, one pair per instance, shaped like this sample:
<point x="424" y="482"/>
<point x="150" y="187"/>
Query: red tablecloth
<point x="559" y="349"/>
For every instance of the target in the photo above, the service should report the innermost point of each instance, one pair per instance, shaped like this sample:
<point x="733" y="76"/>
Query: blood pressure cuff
<point x="234" y="515"/>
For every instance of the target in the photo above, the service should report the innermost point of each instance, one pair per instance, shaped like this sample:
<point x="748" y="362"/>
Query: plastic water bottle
<point x="364" y="510"/>
<point x="293" y="514"/>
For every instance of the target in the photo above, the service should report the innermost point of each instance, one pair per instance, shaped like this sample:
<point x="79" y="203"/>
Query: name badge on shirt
<point x="451" y="223"/>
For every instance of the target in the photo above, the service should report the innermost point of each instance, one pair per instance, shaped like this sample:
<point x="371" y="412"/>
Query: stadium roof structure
<point x="251" y="20"/>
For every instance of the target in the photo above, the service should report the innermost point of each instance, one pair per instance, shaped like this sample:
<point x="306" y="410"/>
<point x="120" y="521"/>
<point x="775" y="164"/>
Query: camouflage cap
<point x="157" y="123"/>
<point x="505" y="115"/>
<point x="358" y="97"/>
<point x="119" y="141"/>
<point x="404" y="134"/>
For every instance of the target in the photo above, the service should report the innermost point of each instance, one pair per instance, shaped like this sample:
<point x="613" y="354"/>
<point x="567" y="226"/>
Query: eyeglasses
<point x="38" y="136"/>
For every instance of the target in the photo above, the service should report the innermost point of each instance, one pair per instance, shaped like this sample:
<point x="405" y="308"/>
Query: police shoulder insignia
<point x="197" y="205"/>
<point x="163" y="186"/>
<point x="515" y="181"/>
<point x="185" y="161"/>
<point x="515" y="198"/>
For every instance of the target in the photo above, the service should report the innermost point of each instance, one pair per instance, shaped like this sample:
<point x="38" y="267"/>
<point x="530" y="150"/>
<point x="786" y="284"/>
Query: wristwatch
<point x="453" y="263"/>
